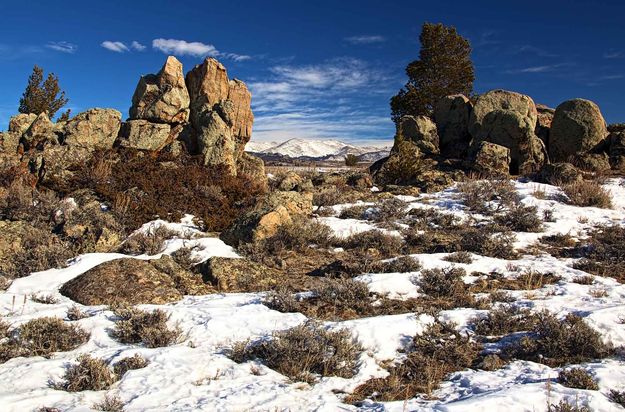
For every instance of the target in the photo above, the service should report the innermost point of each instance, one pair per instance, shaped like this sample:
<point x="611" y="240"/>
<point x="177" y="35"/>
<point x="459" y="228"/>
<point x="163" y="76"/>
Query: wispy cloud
<point x="195" y="48"/>
<point x="62" y="46"/>
<point x="365" y="39"/>
<point x="115" y="46"/>
<point x="526" y="48"/>
<point x="537" y="69"/>
<point x="614" y="54"/>
<point x="137" y="46"/>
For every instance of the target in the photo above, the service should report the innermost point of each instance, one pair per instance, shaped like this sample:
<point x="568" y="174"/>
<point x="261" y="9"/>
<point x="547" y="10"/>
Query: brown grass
<point x="603" y="253"/>
<point x="129" y="363"/>
<point x="304" y="352"/>
<point x="489" y="196"/>
<point x="149" y="328"/>
<point x="111" y="403"/>
<point x="89" y="374"/>
<point x="577" y="378"/>
<point x="504" y="320"/>
<point x="459" y="257"/>
<point x="385" y="244"/>
<point x="586" y="193"/>
<point x="149" y="243"/>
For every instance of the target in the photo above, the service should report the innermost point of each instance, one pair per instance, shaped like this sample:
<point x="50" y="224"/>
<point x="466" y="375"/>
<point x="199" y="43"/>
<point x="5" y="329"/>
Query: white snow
<point x="329" y="149"/>
<point x="196" y="375"/>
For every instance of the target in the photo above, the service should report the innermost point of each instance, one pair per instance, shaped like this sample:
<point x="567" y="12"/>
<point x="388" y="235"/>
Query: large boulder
<point x="133" y="281"/>
<point x="501" y="100"/>
<point x="144" y="135"/>
<point x="21" y="122"/>
<point x="162" y="97"/>
<point x="543" y="122"/>
<point x="616" y="149"/>
<point x="421" y="131"/>
<point x="93" y="129"/>
<point x="216" y="142"/>
<point x="208" y="85"/>
<point x="40" y="133"/>
<point x="558" y="174"/>
<point x="275" y="209"/>
<point x="452" y="115"/>
<point x="490" y="159"/>
<point x="577" y="127"/>
<point x="238" y="275"/>
<point x="252" y="167"/>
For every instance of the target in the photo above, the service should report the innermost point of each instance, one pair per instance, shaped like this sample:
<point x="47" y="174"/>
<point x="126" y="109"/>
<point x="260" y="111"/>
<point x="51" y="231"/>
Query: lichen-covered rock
<point x="144" y="135"/>
<point x="238" y="275"/>
<point x="40" y="133"/>
<point x="275" y="209"/>
<point x="93" y="129"/>
<point x="543" y="123"/>
<point x="253" y="167"/>
<point x="9" y="142"/>
<point x="21" y="122"/>
<point x="452" y="115"/>
<point x="421" y="131"/>
<point x="592" y="162"/>
<point x="558" y="174"/>
<point x="216" y="142"/>
<point x="490" y="159"/>
<point x="577" y="127"/>
<point x="132" y="281"/>
<point x="501" y="100"/>
<point x="208" y="85"/>
<point x="163" y="97"/>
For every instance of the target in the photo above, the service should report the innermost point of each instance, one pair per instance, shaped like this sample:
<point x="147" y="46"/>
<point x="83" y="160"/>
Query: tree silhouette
<point x="41" y="96"/>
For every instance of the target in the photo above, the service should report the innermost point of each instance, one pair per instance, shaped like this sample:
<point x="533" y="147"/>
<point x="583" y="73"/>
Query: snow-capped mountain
<point x="333" y="150"/>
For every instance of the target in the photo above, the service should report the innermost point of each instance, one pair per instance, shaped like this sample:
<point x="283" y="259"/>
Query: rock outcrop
<point x="93" y="129"/>
<point x="144" y="135"/>
<point x="543" y="122"/>
<point x="452" y="115"/>
<point x="419" y="131"/>
<point x="558" y="174"/>
<point x="162" y="97"/>
<point x="490" y="159"/>
<point x="577" y="127"/>
<point x="238" y="275"/>
<point x="509" y="119"/>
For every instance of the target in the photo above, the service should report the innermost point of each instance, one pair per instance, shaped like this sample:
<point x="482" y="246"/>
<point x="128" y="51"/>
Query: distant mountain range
<point x="328" y="150"/>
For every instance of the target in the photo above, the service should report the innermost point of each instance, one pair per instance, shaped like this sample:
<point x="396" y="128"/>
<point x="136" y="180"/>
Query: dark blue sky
<point x="317" y="69"/>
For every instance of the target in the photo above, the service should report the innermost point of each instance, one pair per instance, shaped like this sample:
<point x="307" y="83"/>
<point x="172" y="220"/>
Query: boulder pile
<point x="500" y="133"/>
<point x="204" y="113"/>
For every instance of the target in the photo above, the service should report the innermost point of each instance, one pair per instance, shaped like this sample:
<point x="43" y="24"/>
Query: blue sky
<point x="323" y="69"/>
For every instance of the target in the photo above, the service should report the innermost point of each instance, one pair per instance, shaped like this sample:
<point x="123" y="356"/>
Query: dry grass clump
<point x="386" y="244"/>
<point x="430" y="218"/>
<point x="388" y="210"/>
<point x="489" y="196"/>
<point x="528" y="280"/>
<point x="520" y="218"/>
<point x="149" y="328"/>
<point x="439" y="351"/>
<point x="89" y="374"/>
<point x="304" y="352"/>
<point x="504" y="320"/>
<point x="585" y="193"/>
<point x="401" y="264"/>
<point x="75" y="313"/>
<point x="42" y="337"/>
<point x="566" y="406"/>
<point x="577" y="378"/>
<point x="354" y="212"/>
<point x="459" y="257"/>
<point x="148" y="243"/>
<point x="4" y="329"/>
<point x="129" y="363"/>
<point x="445" y="289"/>
<point x="556" y="342"/>
<point x="110" y="403"/>
<point x="604" y="252"/>
<point x="617" y="397"/>
<point x="44" y="299"/>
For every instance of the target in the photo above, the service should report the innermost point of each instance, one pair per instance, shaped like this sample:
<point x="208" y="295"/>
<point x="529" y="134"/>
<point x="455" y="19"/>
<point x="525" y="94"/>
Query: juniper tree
<point x="444" y="68"/>
<point x="42" y="96"/>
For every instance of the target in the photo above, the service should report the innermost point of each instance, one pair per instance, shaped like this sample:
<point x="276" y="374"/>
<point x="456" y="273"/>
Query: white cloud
<point x="115" y="46"/>
<point x="62" y="46"/>
<point x="614" y="55"/>
<point x="235" y="57"/>
<point x="365" y="39"/>
<point x="182" y="47"/>
<point x="137" y="46"/>
<point x="538" y="69"/>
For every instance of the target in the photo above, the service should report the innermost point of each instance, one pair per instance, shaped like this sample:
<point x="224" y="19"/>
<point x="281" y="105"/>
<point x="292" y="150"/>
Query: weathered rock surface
<point x="421" y="131"/>
<point x="238" y="275"/>
<point x="577" y="127"/>
<point x="40" y="133"/>
<point x="132" y="281"/>
<point x="501" y="100"/>
<point x="490" y="159"/>
<point x="452" y="115"/>
<point x="93" y="129"/>
<point x="558" y="174"/>
<point x="21" y="122"/>
<point x="163" y="97"/>
<point x="543" y="122"/>
<point x="144" y="135"/>
<point x="274" y="210"/>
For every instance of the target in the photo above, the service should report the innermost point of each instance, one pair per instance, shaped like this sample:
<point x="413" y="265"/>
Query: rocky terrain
<point x="152" y="264"/>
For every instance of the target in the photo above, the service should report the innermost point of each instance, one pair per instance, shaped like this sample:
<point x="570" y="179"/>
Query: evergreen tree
<point x="444" y="68"/>
<point x="42" y="96"/>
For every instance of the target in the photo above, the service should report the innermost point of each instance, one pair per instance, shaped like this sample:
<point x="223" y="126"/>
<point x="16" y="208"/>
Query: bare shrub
<point x="44" y="299"/>
<point x="585" y="193"/>
<point x="401" y="264"/>
<point x="577" y="378"/>
<point x="424" y="218"/>
<point x="388" y="245"/>
<point x="439" y="351"/>
<point x="566" y="406"/>
<point x="617" y="397"/>
<point x="109" y="404"/>
<point x="558" y="342"/>
<point x="282" y="300"/>
<point x="129" y="363"/>
<point x="446" y="282"/>
<point x="520" y="219"/>
<point x="4" y="329"/>
<point x="149" y="328"/>
<point x="504" y="320"/>
<point x="89" y="374"/>
<point x="459" y="257"/>
<point x="604" y="252"/>
<point x="304" y="352"/>
<point x="149" y="243"/>
<point x="388" y="210"/>
<point x="489" y="196"/>
<point x="75" y="313"/>
<point x="353" y="212"/>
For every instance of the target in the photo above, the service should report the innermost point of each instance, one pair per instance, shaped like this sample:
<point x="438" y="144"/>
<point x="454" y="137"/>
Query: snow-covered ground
<point x="197" y="375"/>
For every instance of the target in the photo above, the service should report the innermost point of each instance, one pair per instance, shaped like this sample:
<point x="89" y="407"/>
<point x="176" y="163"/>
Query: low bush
<point x="109" y="404"/>
<point x="148" y="243"/>
<point x="386" y="244"/>
<point x="556" y="342"/>
<point x="617" y="397"/>
<point x="577" y="378"/>
<point x="566" y="406"/>
<point x="75" y="313"/>
<point x="585" y="193"/>
<point x="504" y="320"/>
<point x="489" y="196"/>
<point x="604" y="252"/>
<point x="42" y="337"/>
<point x="89" y="374"/>
<point x="445" y="288"/>
<point x="149" y="328"/>
<point x="520" y="219"/>
<point x="353" y="212"/>
<point x="129" y="363"/>
<point x="459" y="257"/>
<point x="388" y="210"/>
<point x="401" y="264"/>
<point x="433" y="355"/>
<point x="304" y="352"/>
